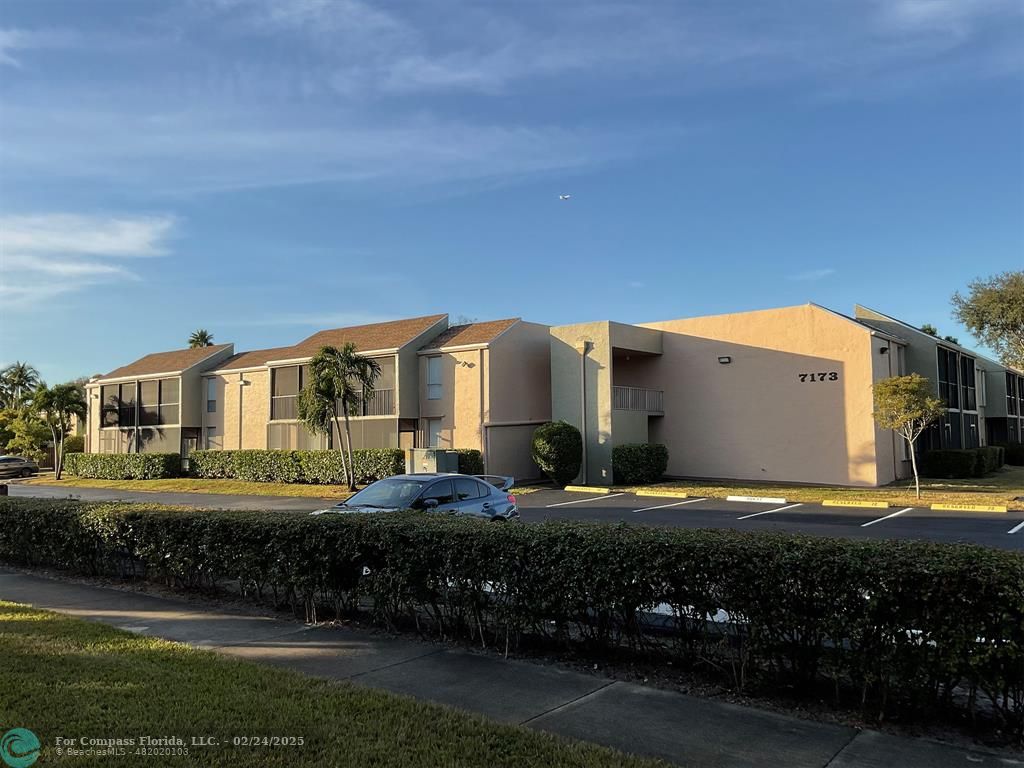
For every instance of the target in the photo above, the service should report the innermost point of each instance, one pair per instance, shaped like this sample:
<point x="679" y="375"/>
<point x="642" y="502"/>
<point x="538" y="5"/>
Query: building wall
<point x="243" y="409"/>
<point x="408" y="378"/>
<point x="753" y="418"/>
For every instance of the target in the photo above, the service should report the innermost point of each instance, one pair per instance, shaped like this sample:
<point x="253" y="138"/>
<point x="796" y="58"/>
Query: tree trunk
<point x="341" y="449"/>
<point x="913" y="463"/>
<point x="58" y="451"/>
<point x="348" y="447"/>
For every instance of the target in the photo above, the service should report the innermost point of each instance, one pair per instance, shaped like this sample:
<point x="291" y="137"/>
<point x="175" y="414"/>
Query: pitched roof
<point x="254" y="358"/>
<point x="471" y="333"/>
<point x="389" y="335"/>
<point x="165" y="362"/>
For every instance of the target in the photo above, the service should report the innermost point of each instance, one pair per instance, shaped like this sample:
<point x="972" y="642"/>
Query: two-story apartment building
<point x="779" y="394"/>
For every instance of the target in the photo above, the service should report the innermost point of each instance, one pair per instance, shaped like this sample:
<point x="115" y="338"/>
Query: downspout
<point x="485" y="435"/>
<point x="584" y="348"/>
<point x="138" y="432"/>
<point x="241" y="390"/>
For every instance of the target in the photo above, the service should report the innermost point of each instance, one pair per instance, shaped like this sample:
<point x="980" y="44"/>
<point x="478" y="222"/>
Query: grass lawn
<point x="72" y="678"/>
<point x="194" y="485"/>
<point x="998" y="488"/>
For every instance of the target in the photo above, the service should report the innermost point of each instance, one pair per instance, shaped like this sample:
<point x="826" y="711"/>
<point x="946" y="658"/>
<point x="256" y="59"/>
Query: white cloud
<point x="47" y="255"/>
<point x="812" y="274"/>
<point x="14" y="40"/>
<point x="318" y="320"/>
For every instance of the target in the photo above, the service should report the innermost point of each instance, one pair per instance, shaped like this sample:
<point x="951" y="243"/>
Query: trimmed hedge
<point x="638" y="463"/>
<point x="123" y="466"/>
<point x="895" y="627"/>
<point x="315" y="467"/>
<point x="74" y="444"/>
<point x="471" y="461"/>
<point x="1014" y="454"/>
<point x="557" y="448"/>
<point x="966" y="462"/>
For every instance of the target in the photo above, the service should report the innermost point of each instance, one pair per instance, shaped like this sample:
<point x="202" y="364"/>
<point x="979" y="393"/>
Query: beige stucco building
<point x="775" y="395"/>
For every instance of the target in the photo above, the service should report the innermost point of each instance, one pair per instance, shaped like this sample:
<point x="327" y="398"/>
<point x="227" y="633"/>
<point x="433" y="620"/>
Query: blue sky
<point x="266" y="169"/>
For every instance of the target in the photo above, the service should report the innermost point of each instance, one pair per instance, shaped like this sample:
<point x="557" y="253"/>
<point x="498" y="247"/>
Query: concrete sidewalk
<point x="682" y="729"/>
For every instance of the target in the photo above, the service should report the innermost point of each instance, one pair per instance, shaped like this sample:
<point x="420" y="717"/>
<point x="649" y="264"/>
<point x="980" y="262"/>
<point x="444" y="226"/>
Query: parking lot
<point x="991" y="529"/>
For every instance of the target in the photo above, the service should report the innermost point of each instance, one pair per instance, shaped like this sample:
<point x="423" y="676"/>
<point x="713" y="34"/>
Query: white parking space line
<point x="769" y="511"/>
<point x="673" y="504"/>
<point x="894" y="514"/>
<point x="580" y="501"/>
<point x="1018" y="527"/>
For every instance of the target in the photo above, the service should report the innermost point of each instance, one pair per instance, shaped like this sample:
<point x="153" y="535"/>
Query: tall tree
<point x="200" y="338"/>
<point x="993" y="311"/>
<point x="19" y="381"/>
<point x="905" y="405"/>
<point x="57" y="406"/>
<point x="339" y="380"/>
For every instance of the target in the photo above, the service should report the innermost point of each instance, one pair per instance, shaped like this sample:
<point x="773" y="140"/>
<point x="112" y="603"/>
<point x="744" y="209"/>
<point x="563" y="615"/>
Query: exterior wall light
<point x="725" y="360"/>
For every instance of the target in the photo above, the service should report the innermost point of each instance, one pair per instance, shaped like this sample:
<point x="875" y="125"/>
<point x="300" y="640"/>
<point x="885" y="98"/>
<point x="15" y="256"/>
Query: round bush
<point x="557" y="449"/>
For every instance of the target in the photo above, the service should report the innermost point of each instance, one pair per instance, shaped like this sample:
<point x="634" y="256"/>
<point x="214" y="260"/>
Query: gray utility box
<point x="430" y="460"/>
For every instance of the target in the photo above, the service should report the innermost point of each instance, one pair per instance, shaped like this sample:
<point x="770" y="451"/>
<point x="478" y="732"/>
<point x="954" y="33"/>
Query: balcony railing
<point x="638" y="399"/>
<point x="380" y="403"/>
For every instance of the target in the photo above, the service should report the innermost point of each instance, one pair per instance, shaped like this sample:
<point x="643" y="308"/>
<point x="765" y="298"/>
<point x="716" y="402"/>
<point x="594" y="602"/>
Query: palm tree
<point x="19" y="381"/>
<point x="56" y="406"/>
<point x="200" y="338"/>
<point x="339" y="380"/>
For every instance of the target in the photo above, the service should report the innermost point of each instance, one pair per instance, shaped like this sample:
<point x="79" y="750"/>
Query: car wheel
<point x="26" y="472"/>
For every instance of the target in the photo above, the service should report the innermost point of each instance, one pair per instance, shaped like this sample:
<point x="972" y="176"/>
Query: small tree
<point x="339" y="380"/>
<point x="200" y="338"/>
<point x="56" y="407"/>
<point x="993" y="312"/>
<point x="557" y="448"/>
<point x="905" y="405"/>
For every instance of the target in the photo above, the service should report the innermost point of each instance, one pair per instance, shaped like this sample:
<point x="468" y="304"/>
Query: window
<point x="211" y="395"/>
<point x="948" y="384"/>
<point x="126" y="405"/>
<point x="467" y="489"/>
<point x="982" y="388"/>
<point x="951" y="431"/>
<point x="1011" y="394"/>
<point x="169" y="406"/>
<point x="149" y="403"/>
<point x="433" y="431"/>
<point x="285" y="385"/>
<point x="442" y="491"/>
<point x="1020" y="395"/>
<point x="213" y="440"/>
<point x="969" y="383"/>
<point x="109" y="400"/>
<point x="434" y="377"/>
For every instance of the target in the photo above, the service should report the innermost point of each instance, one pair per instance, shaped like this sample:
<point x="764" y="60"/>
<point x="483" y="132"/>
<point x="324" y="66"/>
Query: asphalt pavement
<point x="1005" y="531"/>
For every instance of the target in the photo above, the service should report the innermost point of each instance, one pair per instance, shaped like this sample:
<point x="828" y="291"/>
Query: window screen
<point x="149" y="402"/>
<point x="169" y="409"/>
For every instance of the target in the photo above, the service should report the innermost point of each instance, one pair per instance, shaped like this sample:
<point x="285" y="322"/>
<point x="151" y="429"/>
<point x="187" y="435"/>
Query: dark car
<point x="17" y="466"/>
<point x="484" y="496"/>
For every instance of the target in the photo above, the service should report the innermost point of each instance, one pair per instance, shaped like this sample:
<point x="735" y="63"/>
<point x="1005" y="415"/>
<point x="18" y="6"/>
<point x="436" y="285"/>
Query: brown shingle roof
<point x="367" y="338"/>
<point x="165" y="362"/>
<point x="471" y="333"/>
<point x="254" y="358"/>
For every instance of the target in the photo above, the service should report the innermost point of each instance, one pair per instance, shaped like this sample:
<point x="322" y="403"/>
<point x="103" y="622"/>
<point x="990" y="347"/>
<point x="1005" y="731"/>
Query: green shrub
<point x="1014" y="454"/>
<point x="557" y="448"/>
<point x="952" y="462"/>
<point x="893" y="625"/>
<point x="471" y="461"/>
<point x="74" y="444"/>
<point x="637" y="463"/>
<point x="123" y="466"/>
<point x="316" y="467"/>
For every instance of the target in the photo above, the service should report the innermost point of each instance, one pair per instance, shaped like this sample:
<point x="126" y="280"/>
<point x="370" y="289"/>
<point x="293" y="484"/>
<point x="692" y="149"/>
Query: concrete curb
<point x="660" y="493"/>
<point x="757" y="499"/>
<point x="587" y="489"/>
<point x="867" y="504"/>
<point x="970" y="508"/>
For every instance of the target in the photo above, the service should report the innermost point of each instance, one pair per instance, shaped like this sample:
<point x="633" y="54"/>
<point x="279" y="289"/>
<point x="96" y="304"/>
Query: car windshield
<point x="393" y="492"/>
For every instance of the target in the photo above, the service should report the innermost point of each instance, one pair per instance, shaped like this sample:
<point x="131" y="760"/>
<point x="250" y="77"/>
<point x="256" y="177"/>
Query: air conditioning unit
<point x="430" y="460"/>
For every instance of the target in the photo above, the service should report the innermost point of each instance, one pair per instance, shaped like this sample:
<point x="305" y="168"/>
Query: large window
<point x="211" y="395"/>
<point x="434" y="377"/>
<point x="971" y="437"/>
<point x="948" y="384"/>
<point x="1011" y="394"/>
<point x="1020" y="395"/>
<point x="969" y="384"/>
<point x="109" y="405"/>
<point x="126" y="405"/>
<point x="285" y="386"/>
<point x="158" y="402"/>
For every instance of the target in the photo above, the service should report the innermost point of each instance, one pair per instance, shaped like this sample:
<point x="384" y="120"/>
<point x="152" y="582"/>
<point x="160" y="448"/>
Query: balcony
<point x="380" y="403"/>
<point x="638" y="399"/>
